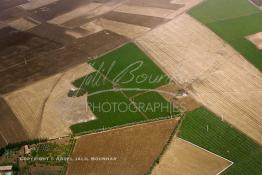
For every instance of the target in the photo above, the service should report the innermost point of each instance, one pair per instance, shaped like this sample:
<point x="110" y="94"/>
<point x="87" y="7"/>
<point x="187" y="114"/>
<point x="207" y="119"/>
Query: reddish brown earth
<point x="257" y="2"/>
<point x="135" y="149"/>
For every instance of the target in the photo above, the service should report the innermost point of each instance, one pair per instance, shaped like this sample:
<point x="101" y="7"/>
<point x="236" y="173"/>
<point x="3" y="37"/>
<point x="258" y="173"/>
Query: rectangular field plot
<point x="231" y="25"/>
<point x="204" y="129"/>
<point x="115" y="103"/>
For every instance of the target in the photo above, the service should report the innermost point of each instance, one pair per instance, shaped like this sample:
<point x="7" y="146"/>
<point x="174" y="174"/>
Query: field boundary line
<point x="129" y="125"/>
<point x="231" y="162"/>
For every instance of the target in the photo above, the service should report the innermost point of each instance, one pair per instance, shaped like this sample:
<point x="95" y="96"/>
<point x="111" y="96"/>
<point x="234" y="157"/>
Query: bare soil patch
<point x="22" y="24"/>
<point x="165" y="4"/>
<point x="11" y="14"/>
<point x="144" y="10"/>
<point x="256" y="39"/>
<point x="125" y="29"/>
<point x="11" y="130"/>
<point x="210" y="70"/>
<point x="135" y="149"/>
<point x="140" y="20"/>
<point x="51" y="63"/>
<point x="52" y="32"/>
<point x="34" y="4"/>
<point x="45" y="170"/>
<point x="181" y="157"/>
<point x="174" y="94"/>
<point x="5" y="4"/>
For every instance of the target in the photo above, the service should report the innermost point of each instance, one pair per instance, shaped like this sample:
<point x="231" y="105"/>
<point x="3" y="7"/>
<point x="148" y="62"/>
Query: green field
<point x="233" y="20"/>
<point x="204" y="129"/>
<point x="109" y="94"/>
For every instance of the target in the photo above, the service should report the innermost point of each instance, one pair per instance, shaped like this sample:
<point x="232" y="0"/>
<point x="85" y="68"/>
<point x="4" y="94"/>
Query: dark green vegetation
<point x="204" y="129"/>
<point x="16" y="146"/>
<point x="233" y="20"/>
<point x="111" y="93"/>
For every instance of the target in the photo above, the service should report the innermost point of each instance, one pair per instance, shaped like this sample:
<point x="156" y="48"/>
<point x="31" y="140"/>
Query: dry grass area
<point x="125" y="29"/>
<point x="256" y="39"/>
<point x="34" y="4"/>
<point x="210" y="70"/>
<point x="49" y="111"/>
<point x="22" y="24"/>
<point x="184" y="158"/>
<point x="135" y="149"/>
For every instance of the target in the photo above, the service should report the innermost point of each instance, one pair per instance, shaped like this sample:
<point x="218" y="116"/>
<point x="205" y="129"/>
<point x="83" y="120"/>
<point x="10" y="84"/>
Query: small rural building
<point x="27" y="150"/>
<point x="6" y="169"/>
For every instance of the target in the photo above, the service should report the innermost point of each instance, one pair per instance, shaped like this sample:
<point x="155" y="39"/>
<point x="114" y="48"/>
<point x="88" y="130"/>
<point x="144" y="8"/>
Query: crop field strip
<point x="206" y="130"/>
<point x="106" y="84"/>
<point x="210" y="70"/>
<point x="231" y="24"/>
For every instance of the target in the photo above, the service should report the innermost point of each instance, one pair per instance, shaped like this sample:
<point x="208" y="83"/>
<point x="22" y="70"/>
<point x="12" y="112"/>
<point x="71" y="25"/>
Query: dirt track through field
<point x="210" y="70"/>
<point x="183" y="158"/>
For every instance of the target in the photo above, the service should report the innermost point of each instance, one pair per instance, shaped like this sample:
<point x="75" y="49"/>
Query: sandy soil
<point x="183" y="158"/>
<point x="210" y="70"/>
<point x="256" y="39"/>
<point x="34" y="4"/>
<point x="135" y="148"/>
<point x="125" y="29"/>
<point x="22" y="24"/>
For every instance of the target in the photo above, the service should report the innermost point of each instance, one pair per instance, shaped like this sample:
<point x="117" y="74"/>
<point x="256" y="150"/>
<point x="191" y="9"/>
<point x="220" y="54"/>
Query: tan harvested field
<point x="256" y="39"/>
<point x="155" y="8"/>
<point x="29" y="110"/>
<point x="183" y="158"/>
<point x="78" y="12"/>
<point x="210" y="70"/>
<point x="140" y="20"/>
<point x="141" y="10"/>
<point x="125" y="29"/>
<point x="91" y="27"/>
<point x="135" y="149"/>
<point x="22" y="24"/>
<point x="60" y="107"/>
<point x="49" y="111"/>
<point x="11" y="129"/>
<point x="34" y="4"/>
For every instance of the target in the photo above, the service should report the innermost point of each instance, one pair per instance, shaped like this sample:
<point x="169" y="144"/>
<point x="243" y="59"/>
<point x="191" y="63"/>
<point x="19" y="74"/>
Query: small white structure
<point x="27" y="150"/>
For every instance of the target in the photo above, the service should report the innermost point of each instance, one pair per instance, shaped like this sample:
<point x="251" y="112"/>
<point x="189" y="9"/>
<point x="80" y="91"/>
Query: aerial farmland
<point x="119" y="87"/>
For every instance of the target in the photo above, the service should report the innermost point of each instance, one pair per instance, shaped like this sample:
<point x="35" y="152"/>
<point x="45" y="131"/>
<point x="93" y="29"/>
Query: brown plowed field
<point x="140" y="20"/>
<point x="210" y="70"/>
<point x="10" y="128"/>
<point x="58" y="60"/>
<point x="135" y="149"/>
<point x="5" y="4"/>
<point x="165" y="4"/>
<point x="257" y="2"/>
